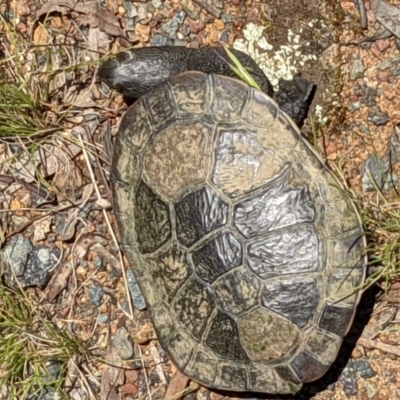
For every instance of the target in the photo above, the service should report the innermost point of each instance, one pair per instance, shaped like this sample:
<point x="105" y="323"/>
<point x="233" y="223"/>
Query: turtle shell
<point x="245" y="246"/>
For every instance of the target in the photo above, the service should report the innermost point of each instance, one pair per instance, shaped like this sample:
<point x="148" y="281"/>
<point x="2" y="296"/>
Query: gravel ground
<point x="352" y="123"/>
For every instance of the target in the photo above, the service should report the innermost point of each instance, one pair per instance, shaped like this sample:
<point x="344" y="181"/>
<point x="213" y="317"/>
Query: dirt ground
<point x="352" y="120"/>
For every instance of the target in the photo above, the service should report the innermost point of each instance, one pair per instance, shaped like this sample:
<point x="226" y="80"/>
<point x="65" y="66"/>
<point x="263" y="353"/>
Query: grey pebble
<point x="160" y="40"/>
<point x="84" y="211"/>
<point x="40" y="266"/>
<point x="192" y="10"/>
<point x="224" y="36"/>
<point x="367" y="94"/>
<point x="227" y="18"/>
<point x="354" y="106"/>
<point x="371" y="389"/>
<point x="377" y="116"/>
<point x="134" y="289"/>
<point x="394" y="146"/>
<point x="385" y="64"/>
<point x="130" y="24"/>
<point x="218" y="3"/>
<point x="178" y="43"/>
<point x="180" y="16"/>
<point x="170" y="28"/>
<point x="185" y="30"/>
<point x="97" y="262"/>
<point x="96" y="293"/>
<point x="131" y="10"/>
<point x="60" y="222"/>
<point x="357" y="70"/>
<point x="156" y="3"/>
<point x="362" y="366"/>
<point x="15" y="254"/>
<point x="373" y="172"/>
<point x="123" y="343"/>
<point x="102" y="319"/>
<point x="348" y="379"/>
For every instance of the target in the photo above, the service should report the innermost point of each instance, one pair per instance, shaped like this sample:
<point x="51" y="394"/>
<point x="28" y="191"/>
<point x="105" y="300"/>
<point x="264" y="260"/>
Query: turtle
<point x="245" y="245"/>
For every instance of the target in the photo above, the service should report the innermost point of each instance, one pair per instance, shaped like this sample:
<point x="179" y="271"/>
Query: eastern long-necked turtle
<point x="245" y="245"/>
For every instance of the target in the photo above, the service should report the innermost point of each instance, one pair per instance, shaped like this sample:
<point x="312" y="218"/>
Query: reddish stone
<point x="382" y="44"/>
<point x="385" y="75"/>
<point x="196" y="26"/>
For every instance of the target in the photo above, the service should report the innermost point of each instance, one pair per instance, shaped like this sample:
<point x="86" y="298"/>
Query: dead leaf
<point x="40" y="35"/>
<point x="59" y="280"/>
<point x="106" y="22"/>
<point x="94" y="16"/>
<point x="387" y="15"/>
<point x="177" y="385"/>
<point x="60" y="6"/>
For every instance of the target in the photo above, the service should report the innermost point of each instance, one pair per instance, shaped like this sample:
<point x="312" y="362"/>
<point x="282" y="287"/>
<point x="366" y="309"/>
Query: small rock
<point x="41" y="263"/>
<point x="156" y="3"/>
<point x="219" y="24"/>
<point x="354" y="106"/>
<point x="227" y="18"/>
<point x="391" y="181"/>
<point x="331" y="148"/>
<point x="236" y="2"/>
<point x="368" y="94"/>
<point x="362" y="366"/>
<point x="373" y="172"/>
<point x="377" y="116"/>
<point x="131" y="10"/>
<point x="357" y="70"/>
<point x="194" y="44"/>
<point x="384" y="76"/>
<point x="385" y="64"/>
<point x="191" y="9"/>
<point x="196" y="26"/>
<point x="15" y="254"/>
<point x="143" y="32"/>
<point x="130" y="25"/>
<point x="160" y="40"/>
<point x="170" y="28"/>
<point x="356" y="353"/>
<point x="371" y="389"/>
<point x="143" y="15"/>
<point x="224" y="36"/>
<point x="134" y="289"/>
<point x="348" y="380"/>
<point x="185" y="30"/>
<point x="394" y="147"/>
<point x="123" y="344"/>
<point x="382" y="44"/>
<point x="181" y="43"/>
<point x="97" y="262"/>
<point x="85" y="210"/>
<point x="96" y="293"/>
<point x="218" y="3"/>
<point x="180" y="16"/>
<point x="102" y="319"/>
<point x="8" y="15"/>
